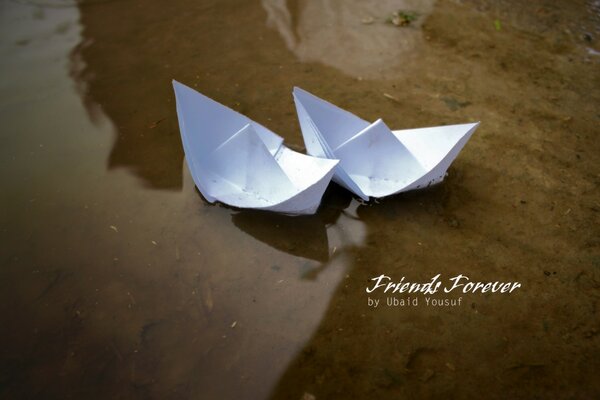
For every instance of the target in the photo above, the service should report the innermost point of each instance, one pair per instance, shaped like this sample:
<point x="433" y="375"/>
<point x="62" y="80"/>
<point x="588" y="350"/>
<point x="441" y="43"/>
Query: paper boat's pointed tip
<point x="379" y="121"/>
<point x="299" y="91"/>
<point x="471" y="126"/>
<point x="474" y="125"/>
<point x="177" y="84"/>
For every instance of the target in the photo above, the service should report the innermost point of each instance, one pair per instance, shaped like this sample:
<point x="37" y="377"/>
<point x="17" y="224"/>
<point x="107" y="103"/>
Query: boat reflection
<point x="318" y="237"/>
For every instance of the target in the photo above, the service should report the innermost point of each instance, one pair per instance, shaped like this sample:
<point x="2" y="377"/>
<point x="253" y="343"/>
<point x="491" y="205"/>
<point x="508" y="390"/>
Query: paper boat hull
<point x="240" y="163"/>
<point x="449" y="140"/>
<point x="375" y="161"/>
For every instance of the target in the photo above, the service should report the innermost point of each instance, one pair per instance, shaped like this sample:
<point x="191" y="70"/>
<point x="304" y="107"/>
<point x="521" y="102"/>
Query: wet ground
<point x="117" y="280"/>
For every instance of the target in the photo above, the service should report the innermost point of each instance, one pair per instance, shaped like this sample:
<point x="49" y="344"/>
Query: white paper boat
<point x="374" y="160"/>
<point x="239" y="162"/>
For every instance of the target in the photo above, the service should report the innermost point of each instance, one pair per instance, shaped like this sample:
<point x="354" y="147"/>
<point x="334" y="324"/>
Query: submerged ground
<point x="117" y="280"/>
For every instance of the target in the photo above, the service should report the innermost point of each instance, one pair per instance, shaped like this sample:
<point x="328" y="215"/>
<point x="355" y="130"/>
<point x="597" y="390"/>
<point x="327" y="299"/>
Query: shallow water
<point x="117" y="280"/>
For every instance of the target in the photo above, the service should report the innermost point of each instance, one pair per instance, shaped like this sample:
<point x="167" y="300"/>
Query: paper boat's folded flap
<point x="303" y="170"/>
<point x="435" y="148"/>
<point x="315" y="143"/>
<point x="377" y="162"/>
<point x="335" y="124"/>
<point x="374" y="161"/>
<point x="208" y="123"/>
<point x="250" y="176"/>
<point x="237" y="161"/>
<point x="310" y="188"/>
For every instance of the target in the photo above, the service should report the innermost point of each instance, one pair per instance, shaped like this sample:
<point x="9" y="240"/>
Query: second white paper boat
<point x="374" y="160"/>
<point x="239" y="162"/>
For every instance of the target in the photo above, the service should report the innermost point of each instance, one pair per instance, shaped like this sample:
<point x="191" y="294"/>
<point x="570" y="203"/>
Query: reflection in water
<point x="146" y="144"/>
<point x="352" y="36"/>
<point x="160" y="168"/>
<point x="317" y="237"/>
<point x="302" y="236"/>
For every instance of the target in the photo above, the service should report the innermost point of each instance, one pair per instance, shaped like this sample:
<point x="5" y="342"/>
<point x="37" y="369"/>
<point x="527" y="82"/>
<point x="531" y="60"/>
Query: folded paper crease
<point x="239" y="162"/>
<point x="374" y="160"/>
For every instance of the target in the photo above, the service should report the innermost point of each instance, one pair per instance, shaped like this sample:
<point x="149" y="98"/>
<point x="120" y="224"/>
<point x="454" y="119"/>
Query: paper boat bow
<point x="375" y="161"/>
<point x="239" y="162"/>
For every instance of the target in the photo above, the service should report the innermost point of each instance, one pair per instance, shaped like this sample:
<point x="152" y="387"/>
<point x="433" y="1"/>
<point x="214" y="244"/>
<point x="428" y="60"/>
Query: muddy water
<point x="117" y="280"/>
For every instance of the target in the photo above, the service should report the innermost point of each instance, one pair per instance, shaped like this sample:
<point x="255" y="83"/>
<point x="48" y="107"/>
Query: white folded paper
<point x="239" y="162"/>
<point x="374" y="160"/>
